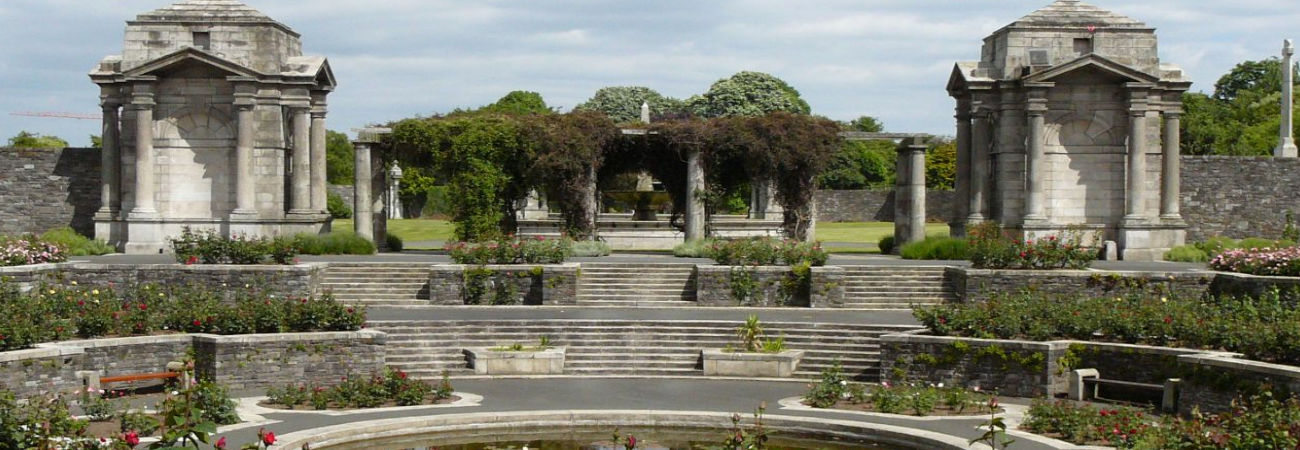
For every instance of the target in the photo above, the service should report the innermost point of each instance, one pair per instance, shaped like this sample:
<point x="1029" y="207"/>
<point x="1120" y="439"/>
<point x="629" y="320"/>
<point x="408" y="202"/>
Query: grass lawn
<point x="410" y="230"/>
<point x="866" y="232"/>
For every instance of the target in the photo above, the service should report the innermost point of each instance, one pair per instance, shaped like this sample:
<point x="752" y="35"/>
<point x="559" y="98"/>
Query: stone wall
<point x="877" y="205"/>
<point x="40" y="371"/>
<point x="295" y="280"/>
<point x="1237" y="196"/>
<point x="980" y="285"/>
<point x="1240" y="284"/>
<point x="1213" y="381"/>
<point x="42" y="189"/>
<point x="121" y="356"/>
<point x="713" y="286"/>
<point x="827" y="287"/>
<point x="1014" y="368"/>
<point x="265" y="360"/>
<point x="520" y="284"/>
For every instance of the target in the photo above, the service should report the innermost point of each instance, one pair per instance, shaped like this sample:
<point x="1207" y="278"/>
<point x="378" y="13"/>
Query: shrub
<point x="765" y="252"/>
<point x="692" y="249"/>
<point x="336" y="243"/>
<point x="829" y="389"/>
<point x="394" y="243"/>
<point x="936" y="248"/>
<point x="990" y="248"/>
<point x="215" y="402"/>
<point x="75" y="244"/>
<point x="886" y="244"/>
<point x="1259" y="261"/>
<point x="208" y="247"/>
<point x="393" y="385"/>
<point x="29" y="250"/>
<point x="591" y="249"/>
<point x="1187" y="253"/>
<point x="511" y="250"/>
<point x="337" y="208"/>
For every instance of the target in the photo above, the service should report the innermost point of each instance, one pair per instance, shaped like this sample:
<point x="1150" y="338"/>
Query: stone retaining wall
<point x="877" y="205"/>
<point x="515" y="284"/>
<point x="296" y="280"/>
<point x="827" y="290"/>
<point x="1237" y="196"/>
<point x="43" y="189"/>
<point x="1240" y="284"/>
<point x="770" y="286"/>
<point x="250" y="361"/>
<point x="979" y="285"/>
<point x="1014" y="368"/>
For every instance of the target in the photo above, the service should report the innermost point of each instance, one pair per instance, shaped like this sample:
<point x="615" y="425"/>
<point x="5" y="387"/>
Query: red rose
<point x="192" y="260"/>
<point x="143" y="307"/>
<point x="131" y="438"/>
<point x="268" y="438"/>
<point x="197" y="323"/>
<point x="221" y="443"/>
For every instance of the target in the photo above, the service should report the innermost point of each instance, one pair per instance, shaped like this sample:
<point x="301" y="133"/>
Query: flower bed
<point x="511" y="250"/>
<point x="29" y="250"/>
<point x="207" y="247"/>
<point x="54" y="313"/>
<point x="765" y="252"/>
<point x="391" y="388"/>
<point x="990" y="248"/>
<point x="1260" y="261"/>
<point x="835" y="392"/>
<point x="1258" y="422"/>
<point x="1262" y="328"/>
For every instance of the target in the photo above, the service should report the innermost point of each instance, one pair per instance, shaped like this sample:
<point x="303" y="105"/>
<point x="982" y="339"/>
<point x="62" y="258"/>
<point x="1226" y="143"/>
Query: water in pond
<point x="648" y="439"/>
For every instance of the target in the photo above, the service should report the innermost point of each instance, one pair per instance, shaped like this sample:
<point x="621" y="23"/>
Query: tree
<point x="866" y="124"/>
<point x="1242" y="117"/>
<point x="519" y="102"/>
<point x="25" y="139"/>
<point x="748" y="94"/>
<point x="623" y="103"/>
<point x="941" y="164"/>
<point x="340" y="158"/>
<point x="861" y="165"/>
<point x="96" y="141"/>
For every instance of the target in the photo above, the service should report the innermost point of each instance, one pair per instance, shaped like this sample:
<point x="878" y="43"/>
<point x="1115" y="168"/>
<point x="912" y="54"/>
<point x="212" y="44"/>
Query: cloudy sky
<point x="399" y="58"/>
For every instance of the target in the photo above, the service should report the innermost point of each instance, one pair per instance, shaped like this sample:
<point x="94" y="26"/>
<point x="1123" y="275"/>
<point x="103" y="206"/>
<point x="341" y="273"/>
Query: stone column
<point x="245" y="198"/>
<point x="319" y="185"/>
<point x="143" y="104"/>
<point x="961" y="184"/>
<point x="300" y="187"/>
<point x="1287" y="148"/>
<point x="980" y="181"/>
<point x="1171" y="169"/>
<point x="110" y="160"/>
<point x="394" y="190"/>
<point x="909" y="201"/>
<point x="1135" y="194"/>
<point x="1035" y="158"/>
<point x="363" y="216"/>
<point x="695" y="216"/>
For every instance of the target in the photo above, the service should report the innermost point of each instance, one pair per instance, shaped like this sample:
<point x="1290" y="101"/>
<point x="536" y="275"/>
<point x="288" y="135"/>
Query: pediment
<point x="1093" y="65"/>
<point x="191" y="59"/>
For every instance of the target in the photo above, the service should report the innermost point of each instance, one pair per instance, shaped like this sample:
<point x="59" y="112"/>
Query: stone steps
<point x="636" y="285"/>
<point x="627" y="347"/>
<point x="884" y="287"/>
<point x="378" y="284"/>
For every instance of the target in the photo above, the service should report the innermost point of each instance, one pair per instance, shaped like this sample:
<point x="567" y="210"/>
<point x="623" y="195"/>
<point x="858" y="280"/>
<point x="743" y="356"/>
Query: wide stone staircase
<point x="627" y="347"/>
<point x="378" y="284"/>
<point x="886" y="287"/>
<point x="647" y="285"/>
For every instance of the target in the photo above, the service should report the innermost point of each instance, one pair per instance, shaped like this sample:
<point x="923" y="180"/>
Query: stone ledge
<point x="488" y="361"/>
<point x="1231" y="361"/>
<point x="719" y="362"/>
<point x="368" y="336"/>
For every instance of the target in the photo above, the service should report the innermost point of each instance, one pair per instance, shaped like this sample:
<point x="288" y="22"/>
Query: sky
<point x="400" y="58"/>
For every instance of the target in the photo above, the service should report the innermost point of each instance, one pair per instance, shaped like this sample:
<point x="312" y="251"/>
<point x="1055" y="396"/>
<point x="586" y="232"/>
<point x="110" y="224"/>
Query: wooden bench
<point x="92" y="379"/>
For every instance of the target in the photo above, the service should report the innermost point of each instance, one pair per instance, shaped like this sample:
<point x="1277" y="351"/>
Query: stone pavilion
<point x="1069" y="119"/>
<point x="213" y="119"/>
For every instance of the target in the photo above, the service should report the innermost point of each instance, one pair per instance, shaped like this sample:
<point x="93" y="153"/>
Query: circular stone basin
<point x="592" y="430"/>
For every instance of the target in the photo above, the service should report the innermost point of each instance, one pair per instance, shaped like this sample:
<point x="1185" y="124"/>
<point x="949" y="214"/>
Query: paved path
<point x="458" y="313"/>
<point x="724" y="396"/>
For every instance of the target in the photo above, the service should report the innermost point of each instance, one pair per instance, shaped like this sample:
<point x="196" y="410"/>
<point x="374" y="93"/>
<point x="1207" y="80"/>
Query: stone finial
<point x="1288" y="48"/>
<point x="645" y="112"/>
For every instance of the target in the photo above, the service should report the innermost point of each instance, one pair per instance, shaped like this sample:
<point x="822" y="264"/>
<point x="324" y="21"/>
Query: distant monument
<point x="1286" y="147"/>
<point x="213" y="119"/>
<point x="1070" y="119"/>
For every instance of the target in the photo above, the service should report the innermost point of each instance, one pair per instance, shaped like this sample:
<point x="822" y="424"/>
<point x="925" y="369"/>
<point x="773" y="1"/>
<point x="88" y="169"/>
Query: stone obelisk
<point x="1286" y="148"/>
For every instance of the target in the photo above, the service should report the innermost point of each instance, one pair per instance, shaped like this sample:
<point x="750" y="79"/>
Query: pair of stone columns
<point x="1170" y="171"/>
<point x="307" y="188"/>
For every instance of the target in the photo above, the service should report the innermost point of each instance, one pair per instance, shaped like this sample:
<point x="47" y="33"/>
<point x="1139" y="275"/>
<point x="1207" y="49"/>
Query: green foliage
<point x="570" y="151"/>
<point x="75" y="244"/>
<point x="623" y="103"/>
<point x="27" y="250"/>
<point x="692" y="249"/>
<point x="941" y="165"/>
<point x="860" y="165"/>
<point x="990" y="248"/>
<point x="829" y="388"/>
<point x="751" y="334"/>
<point x="512" y="250"/>
<point x="96" y="141"/>
<point x="340" y="158"/>
<point x="765" y="251"/>
<point x="394" y="243"/>
<point x="1259" y="261"/>
<point x="744" y="288"/>
<point x="1187" y="253"/>
<point x="589" y="249"/>
<point x="1241" y="118"/>
<point x="337" y="207"/>
<point x="519" y="103"/>
<point x="208" y="247"/>
<point x="748" y="94"/>
<point x="886" y="244"/>
<point x="936" y="248"/>
<point x="335" y="243"/>
<point x="391" y="386"/>
<point x="1290" y="232"/>
<point x="865" y="124"/>
<point x="215" y="402"/>
<point x="25" y="139"/>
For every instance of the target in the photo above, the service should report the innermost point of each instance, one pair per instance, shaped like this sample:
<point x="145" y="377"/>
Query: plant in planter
<point x="758" y="357"/>
<point x="516" y="359"/>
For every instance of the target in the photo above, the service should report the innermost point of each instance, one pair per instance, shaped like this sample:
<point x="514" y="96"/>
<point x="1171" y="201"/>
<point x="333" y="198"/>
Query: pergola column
<point x="909" y="204"/>
<point x="319" y="186"/>
<point x="1035" y="158"/>
<point x="980" y="181"/>
<point x="300" y="188"/>
<point x="961" y="184"/>
<point x="245" y="199"/>
<point x="363" y="215"/>
<point x="143" y="103"/>
<point x="1135" y="194"/>
<point x="1171" y="168"/>
<point x="110" y="194"/>
<point x="695" y="216"/>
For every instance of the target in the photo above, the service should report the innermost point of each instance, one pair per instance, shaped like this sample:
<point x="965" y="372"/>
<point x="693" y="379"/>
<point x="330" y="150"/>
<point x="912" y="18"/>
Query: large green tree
<point x="623" y="103"/>
<point x="519" y="102"/>
<point x="1241" y="117"/>
<point x="25" y="139"/>
<point x="340" y="158"/>
<point x="748" y="94"/>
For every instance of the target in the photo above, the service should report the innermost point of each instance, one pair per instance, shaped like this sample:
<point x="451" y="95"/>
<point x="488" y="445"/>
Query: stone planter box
<point x="721" y="363"/>
<point x="486" y="361"/>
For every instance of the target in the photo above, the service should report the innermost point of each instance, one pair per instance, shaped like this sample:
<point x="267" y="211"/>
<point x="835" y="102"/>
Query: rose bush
<point x="511" y="250"/>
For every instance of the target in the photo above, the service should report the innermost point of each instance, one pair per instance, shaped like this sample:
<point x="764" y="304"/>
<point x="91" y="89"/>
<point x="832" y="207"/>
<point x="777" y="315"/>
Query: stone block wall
<point x="40" y="371"/>
<point x="977" y="285"/>
<point x="42" y="189"/>
<point x="447" y="285"/>
<point x="877" y="205"/>
<point x="521" y="284"/>
<point x="120" y="356"/>
<point x="1213" y="381"/>
<point x="1240" y="284"/>
<point x="1127" y="362"/>
<point x="1014" y="368"/>
<point x="1237" y="196"/>
<point x="827" y="287"/>
<point x="714" y="286"/>
<point x="296" y="280"/>
<point x="264" y="360"/>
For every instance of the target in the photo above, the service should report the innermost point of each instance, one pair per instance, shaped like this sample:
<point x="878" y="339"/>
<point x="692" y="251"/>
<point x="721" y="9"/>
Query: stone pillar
<point x="319" y="185"/>
<point x="300" y="187"/>
<point x="1035" y="158"/>
<point x="110" y="162"/>
<point x="363" y="216"/>
<point x="695" y="216"/>
<point x="1286" y="148"/>
<point x="1135" y="194"/>
<point x="909" y="201"/>
<point x="961" y="185"/>
<point x="245" y="197"/>
<point x="1171" y="169"/>
<point x="143" y="104"/>
<point x="394" y="191"/>
<point x="980" y="179"/>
